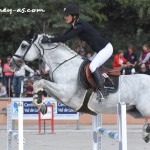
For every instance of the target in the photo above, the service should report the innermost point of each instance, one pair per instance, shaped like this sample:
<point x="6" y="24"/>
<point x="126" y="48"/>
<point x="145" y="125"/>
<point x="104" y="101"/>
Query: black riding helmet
<point x="71" y="10"/>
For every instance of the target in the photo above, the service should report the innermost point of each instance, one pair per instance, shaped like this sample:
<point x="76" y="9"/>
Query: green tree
<point x="121" y="21"/>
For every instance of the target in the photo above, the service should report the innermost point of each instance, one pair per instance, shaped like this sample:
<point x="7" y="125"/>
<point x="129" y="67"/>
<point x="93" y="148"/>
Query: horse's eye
<point x="23" y="46"/>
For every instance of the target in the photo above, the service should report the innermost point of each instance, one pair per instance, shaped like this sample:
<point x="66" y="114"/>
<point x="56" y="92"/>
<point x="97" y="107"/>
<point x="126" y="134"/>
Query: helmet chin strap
<point x="74" y="18"/>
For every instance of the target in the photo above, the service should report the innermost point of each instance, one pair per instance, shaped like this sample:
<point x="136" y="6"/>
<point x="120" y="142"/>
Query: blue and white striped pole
<point x="120" y="135"/>
<point x="13" y="134"/>
<point x="109" y="133"/>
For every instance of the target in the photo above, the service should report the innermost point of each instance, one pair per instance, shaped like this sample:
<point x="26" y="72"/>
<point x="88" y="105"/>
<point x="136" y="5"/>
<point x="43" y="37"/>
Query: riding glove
<point x="45" y="39"/>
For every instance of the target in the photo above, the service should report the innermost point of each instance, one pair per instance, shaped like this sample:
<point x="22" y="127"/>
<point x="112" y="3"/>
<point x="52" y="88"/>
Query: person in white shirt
<point x="19" y="77"/>
<point x="3" y="92"/>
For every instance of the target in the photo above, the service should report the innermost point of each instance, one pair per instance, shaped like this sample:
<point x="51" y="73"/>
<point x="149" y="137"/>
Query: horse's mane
<point x="68" y="48"/>
<point x="63" y="45"/>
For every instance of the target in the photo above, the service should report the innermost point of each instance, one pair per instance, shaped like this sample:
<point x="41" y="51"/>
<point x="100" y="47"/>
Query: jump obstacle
<point x="11" y="134"/>
<point x="121" y="136"/>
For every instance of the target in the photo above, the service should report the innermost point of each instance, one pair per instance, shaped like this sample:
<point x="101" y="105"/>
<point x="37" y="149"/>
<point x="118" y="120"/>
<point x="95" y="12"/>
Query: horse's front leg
<point x="57" y="91"/>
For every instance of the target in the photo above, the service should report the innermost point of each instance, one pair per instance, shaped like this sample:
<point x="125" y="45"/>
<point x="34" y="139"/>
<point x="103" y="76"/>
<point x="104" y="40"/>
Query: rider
<point x="90" y="35"/>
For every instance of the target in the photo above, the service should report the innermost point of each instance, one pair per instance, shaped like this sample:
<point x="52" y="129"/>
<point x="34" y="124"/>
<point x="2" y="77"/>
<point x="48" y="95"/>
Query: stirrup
<point x="100" y="96"/>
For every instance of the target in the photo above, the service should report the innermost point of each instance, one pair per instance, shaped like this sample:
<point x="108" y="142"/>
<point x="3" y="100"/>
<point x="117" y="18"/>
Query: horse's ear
<point x="35" y="37"/>
<point x="29" y="35"/>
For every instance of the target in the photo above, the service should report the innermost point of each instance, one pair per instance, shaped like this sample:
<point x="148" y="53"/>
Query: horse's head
<point x="27" y="51"/>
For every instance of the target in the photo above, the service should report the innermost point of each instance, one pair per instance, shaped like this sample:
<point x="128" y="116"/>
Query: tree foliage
<point x="121" y="21"/>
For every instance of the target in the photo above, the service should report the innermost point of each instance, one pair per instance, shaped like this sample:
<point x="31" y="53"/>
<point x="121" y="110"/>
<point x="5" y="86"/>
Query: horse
<point x="64" y="65"/>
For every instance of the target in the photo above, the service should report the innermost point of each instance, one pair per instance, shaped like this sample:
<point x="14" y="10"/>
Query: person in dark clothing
<point x="82" y="52"/>
<point x="131" y="56"/>
<point x="90" y="35"/>
<point x="128" y="69"/>
<point x="29" y="89"/>
<point x="144" y="70"/>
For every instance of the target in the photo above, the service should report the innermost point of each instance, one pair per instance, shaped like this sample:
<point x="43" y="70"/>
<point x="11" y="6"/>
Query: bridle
<point x="23" y="57"/>
<point x="40" y="53"/>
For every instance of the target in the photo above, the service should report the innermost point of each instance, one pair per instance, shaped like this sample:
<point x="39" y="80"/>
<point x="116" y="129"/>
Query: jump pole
<point x="121" y="136"/>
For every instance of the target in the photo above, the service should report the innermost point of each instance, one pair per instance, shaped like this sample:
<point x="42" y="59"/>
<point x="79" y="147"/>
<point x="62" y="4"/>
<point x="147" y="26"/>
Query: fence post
<point x="96" y="122"/>
<point x="122" y="125"/>
<point x="9" y="127"/>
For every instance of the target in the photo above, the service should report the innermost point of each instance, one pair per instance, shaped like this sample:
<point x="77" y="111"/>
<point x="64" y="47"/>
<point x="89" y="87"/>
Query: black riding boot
<point x="100" y="83"/>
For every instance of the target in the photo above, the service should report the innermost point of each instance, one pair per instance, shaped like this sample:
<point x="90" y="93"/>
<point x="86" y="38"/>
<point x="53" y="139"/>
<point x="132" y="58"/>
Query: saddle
<point x="111" y="77"/>
<point x="111" y="81"/>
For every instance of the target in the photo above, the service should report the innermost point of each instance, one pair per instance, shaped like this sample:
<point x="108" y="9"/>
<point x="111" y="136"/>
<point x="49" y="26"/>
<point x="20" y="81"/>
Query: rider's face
<point x="68" y="18"/>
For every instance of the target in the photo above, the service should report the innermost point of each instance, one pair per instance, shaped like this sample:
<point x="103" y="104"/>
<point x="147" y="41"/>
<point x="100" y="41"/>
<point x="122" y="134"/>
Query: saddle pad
<point x="82" y="76"/>
<point x="112" y="88"/>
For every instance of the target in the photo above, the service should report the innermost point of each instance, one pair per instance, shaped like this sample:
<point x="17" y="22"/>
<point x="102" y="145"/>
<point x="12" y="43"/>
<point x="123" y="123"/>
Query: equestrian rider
<point x="90" y="35"/>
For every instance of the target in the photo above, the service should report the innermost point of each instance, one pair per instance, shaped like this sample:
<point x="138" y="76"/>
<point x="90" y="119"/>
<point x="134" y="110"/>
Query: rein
<point x="62" y="64"/>
<point x="52" y="49"/>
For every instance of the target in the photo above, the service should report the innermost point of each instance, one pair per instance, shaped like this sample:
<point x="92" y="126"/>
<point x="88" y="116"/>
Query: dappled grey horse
<point x="64" y="66"/>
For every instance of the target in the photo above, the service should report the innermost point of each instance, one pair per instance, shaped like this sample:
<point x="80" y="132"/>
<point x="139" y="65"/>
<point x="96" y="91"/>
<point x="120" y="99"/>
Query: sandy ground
<point x="66" y="137"/>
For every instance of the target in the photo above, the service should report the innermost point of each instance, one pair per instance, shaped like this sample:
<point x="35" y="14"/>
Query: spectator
<point x="8" y="76"/>
<point x="119" y="60"/>
<point x="143" y="69"/>
<point x="3" y="92"/>
<point x="45" y="71"/>
<point x="29" y="89"/>
<point x="1" y="70"/>
<point x="89" y="55"/>
<point x="82" y="53"/>
<point x="129" y="69"/>
<point x="78" y="49"/>
<point x="144" y="53"/>
<point x="131" y="56"/>
<point x="146" y="59"/>
<point x="19" y="77"/>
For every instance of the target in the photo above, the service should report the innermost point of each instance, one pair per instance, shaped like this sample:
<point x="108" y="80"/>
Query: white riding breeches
<point x="101" y="57"/>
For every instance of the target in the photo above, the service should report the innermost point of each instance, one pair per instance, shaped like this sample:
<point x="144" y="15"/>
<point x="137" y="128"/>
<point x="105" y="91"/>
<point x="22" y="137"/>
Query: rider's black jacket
<point x="85" y="32"/>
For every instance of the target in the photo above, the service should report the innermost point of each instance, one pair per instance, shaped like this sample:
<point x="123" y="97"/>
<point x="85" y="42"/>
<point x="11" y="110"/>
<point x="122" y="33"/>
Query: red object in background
<point x="116" y="61"/>
<point x="44" y="119"/>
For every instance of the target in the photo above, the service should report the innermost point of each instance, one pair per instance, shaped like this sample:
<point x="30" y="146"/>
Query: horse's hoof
<point x="146" y="139"/>
<point x="148" y="128"/>
<point x="43" y="109"/>
<point x="37" y="99"/>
